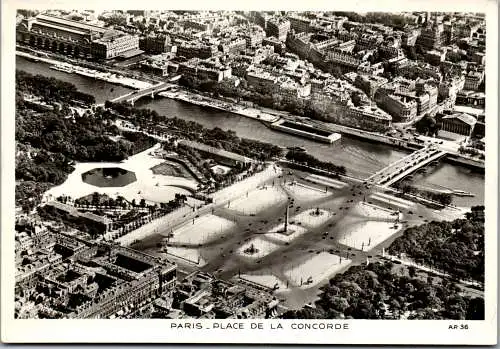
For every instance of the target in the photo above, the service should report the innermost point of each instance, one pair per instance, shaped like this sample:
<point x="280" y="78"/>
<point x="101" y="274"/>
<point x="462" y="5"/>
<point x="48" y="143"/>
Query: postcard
<point x="217" y="172"/>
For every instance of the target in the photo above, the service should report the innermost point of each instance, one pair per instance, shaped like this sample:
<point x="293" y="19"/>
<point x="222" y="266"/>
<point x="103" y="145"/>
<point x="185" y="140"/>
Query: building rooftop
<point x="466" y="118"/>
<point x="373" y="111"/>
<point x="66" y="22"/>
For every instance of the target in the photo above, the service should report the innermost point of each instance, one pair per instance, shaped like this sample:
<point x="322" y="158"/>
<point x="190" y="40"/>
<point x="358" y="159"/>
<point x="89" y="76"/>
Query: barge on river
<point x="306" y="131"/>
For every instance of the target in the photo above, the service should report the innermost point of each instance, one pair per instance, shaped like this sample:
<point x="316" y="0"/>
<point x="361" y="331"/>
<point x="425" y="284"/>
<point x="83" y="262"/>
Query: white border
<point x="159" y="331"/>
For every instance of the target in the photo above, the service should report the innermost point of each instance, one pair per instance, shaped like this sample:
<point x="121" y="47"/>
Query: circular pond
<point x="109" y="177"/>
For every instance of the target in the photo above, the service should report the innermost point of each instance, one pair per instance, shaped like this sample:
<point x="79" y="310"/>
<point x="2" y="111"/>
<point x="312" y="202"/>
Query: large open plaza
<point x="287" y="230"/>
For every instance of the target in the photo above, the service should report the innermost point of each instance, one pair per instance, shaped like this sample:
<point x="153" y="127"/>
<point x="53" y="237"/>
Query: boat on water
<point x="63" y="68"/>
<point x="462" y="193"/>
<point x="306" y="130"/>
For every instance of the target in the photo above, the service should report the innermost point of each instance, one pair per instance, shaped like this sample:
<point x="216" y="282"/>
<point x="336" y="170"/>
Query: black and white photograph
<point x="251" y="170"/>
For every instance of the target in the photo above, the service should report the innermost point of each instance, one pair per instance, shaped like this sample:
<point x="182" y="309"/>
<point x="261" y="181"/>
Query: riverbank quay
<point x="259" y="113"/>
<point x="204" y="101"/>
<point x="113" y="77"/>
<point x="264" y="115"/>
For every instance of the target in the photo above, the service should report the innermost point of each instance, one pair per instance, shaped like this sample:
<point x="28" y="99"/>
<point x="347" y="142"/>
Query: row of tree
<point x="216" y="137"/>
<point x="376" y="291"/>
<point x="309" y="160"/>
<point x="442" y="198"/>
<point x="456" y="247"/>
<point x="49" y="88"/>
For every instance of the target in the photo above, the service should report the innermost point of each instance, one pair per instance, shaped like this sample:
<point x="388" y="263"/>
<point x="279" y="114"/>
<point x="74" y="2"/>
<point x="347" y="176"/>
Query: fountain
<point x="251" y="250"/>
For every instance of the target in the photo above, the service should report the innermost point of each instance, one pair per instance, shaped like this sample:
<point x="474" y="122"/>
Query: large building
<point x="473" y="79"/>
<point x="155" y="44"/>
<point x="114" y="44"/>
<point x="58" y="34"/>
<point x="369" y="84"/>
<point x="427" y="96"/>
<point x="299" y="23"/>
<point x="431" y="37"/>
<point x="278" y="27"/>
<point x="74" y="38"/>
<point x="401" y="107"/>
<point x="459" y="123"/>
<point x="202" y="296"/>
<point x="205" y="70"/>
<point x="73" y="278"/>
<point x="344" y="59"/>
<point x="272" y="41"/>
<point x="290" y="91"/>
<point x="253" y="36"/>
<point x="129" y="278"/>
<point x="189" y="49"/>
<point x="471" y="99"/>
<point x="450" y="87"/>
<point x="261" y="81"/>
<point x="232" y="45"/>
<point x="369" y="117"/>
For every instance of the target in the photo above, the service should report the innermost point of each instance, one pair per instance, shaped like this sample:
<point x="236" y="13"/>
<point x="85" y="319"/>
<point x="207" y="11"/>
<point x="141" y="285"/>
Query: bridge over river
<point x="407" y="165"/>
<point x="149" y="91"/>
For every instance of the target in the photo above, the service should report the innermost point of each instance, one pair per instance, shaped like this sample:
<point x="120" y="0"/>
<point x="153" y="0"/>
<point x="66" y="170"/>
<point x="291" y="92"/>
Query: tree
<point x="95" y="199"/>
<point x="395" y="308"/>
<point x="412" y="271"/>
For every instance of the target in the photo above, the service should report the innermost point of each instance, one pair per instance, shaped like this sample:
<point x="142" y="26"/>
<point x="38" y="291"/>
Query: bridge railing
<point x="393" y="177"/>
<point x="423" y="150"/>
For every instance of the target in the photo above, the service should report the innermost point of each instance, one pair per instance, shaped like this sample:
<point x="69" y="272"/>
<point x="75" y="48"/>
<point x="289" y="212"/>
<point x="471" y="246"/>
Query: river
<point x="361" y="158"/>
